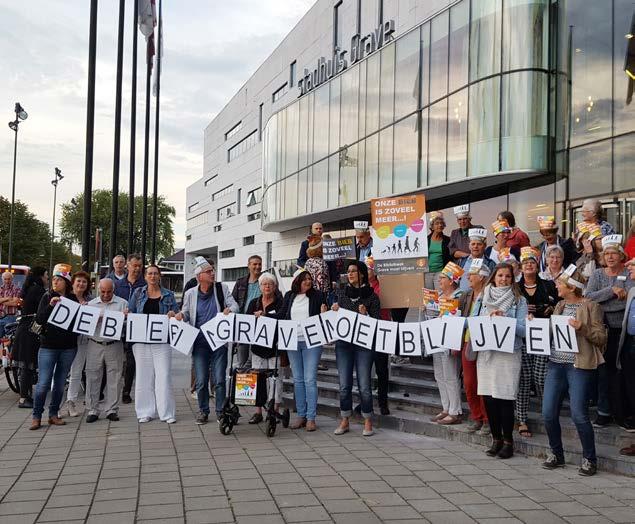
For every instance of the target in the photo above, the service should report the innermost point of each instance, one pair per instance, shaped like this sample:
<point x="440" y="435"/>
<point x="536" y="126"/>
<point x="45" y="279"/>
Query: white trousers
<point x="75" y="380"/>
<point x="153" y="381"/>
<point x="98" y="356"/>
<point x="446" y="373"/>
<point x="274" y="386"/>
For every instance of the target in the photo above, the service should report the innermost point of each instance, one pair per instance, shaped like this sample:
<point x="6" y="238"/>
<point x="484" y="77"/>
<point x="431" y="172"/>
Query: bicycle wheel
<point x="11" y="372"/>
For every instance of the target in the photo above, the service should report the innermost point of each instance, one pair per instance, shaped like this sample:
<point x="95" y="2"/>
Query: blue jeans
<point x="304" y="366"/>
<point x="560" y="379"/>
<point x="203" y="357"/>
<point x="9" y="319"/>
<point x="348" y="356"/>
<point x="53" y="366"/>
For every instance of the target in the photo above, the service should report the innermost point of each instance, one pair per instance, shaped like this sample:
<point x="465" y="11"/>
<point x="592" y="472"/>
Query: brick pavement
<point x="123" y="472"/>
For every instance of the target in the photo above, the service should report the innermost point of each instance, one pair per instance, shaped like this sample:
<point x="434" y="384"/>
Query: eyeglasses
<point x="352" y="272"/>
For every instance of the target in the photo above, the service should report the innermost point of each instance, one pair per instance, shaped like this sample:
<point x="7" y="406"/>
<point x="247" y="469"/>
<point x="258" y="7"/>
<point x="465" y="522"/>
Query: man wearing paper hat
<point x="459" y="240"/>
<point x="549" y="230"/>
<point x="609" y="287"/>
<point x="478" y="240"/>
<point x="363" y="240"/>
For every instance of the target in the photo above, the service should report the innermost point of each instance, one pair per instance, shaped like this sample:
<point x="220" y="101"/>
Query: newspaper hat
<point x="361" y="226"/>
<point x="528" y="253"/>
<point x="202" y="265"/>
<point x="547" y="222"/>
<point x="452" y="271"/>
<point x="500" y="226"/>
<point x="505" y="255"/>
<point x="62" y="271"/>
<point x="434" y="215"/>
<point x="477" y="267"/>
<point x="612" y="242"/>
<point x="462" y="211"/>
<point x="477" y="233"/>
<point x="567" y="277"/>
<point x="593" y="230"/>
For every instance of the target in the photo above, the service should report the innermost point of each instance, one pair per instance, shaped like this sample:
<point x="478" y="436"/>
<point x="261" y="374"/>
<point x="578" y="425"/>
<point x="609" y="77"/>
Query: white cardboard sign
<point x="157" y="330"/>
<point x="86" y="320"/>
<point x="537" y="336"/>
<point x="504" y="334"/>
<point x="364" y="331"/>
<point x="386" y="337"/>
<point x="287" y="335"/>
<point x="265" y="331"/>
<point x="63" y="313"/>
<point x="112" y="323"/>
<point x="182" y="336"/>
<point x="564" y="338"/>
<point x="481" y="332"/>
<point x="410" y="339"/>
<point x="136" y="327"/>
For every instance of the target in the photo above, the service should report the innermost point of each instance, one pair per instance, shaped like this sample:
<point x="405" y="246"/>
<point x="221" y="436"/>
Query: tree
<point x="31" y="238"/>
<point x="73" y="219"/>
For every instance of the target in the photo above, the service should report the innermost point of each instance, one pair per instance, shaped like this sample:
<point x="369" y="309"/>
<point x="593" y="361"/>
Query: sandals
<point x="439" y="416"/>
<point x="523" y="429"/>
<point x="450" y="420"/>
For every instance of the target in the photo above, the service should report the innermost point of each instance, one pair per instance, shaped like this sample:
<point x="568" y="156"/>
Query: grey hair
<point x="553" y="248"/>
<point x="7" y="273"/>
<point x="594" y="204"/>
<point x="267" y="277"/>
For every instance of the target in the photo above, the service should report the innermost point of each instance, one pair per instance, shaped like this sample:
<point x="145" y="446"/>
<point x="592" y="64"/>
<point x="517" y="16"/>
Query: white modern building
<point x="506" y="104"/>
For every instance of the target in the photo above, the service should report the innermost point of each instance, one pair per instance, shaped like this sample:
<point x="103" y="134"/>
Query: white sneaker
<point x="143" y="420"/>
<point x="72" y="408"/>
<point x="171" y="420"/>
<point x="194" y="395"/>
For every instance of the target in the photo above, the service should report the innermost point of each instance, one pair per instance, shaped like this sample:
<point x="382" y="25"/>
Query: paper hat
<point x="505" y="255"/>
<point x="453" y="271"/>
<point x="547" y="222"/>
<point x="570" y="281"/>
<point x="571" y="268"/>
<point x="477" y="233"/>
<point x="360" y="225"/>
<point x="434" y="215"/>
<point x="612" y="241"/>
<point x="370" y="262"/>
<point x="62" y="271"/>
<point x="500" y="226"/>
<point x="202" y="265"/>
<point x="477" y="267"/>
<point x="593" y="230"/>
<point x="462" y="211"/>
<point x="528" y="253"/>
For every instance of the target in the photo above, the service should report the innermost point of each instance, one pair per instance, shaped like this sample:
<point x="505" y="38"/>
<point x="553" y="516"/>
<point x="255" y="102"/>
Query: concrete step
<point x="609" y="458"/>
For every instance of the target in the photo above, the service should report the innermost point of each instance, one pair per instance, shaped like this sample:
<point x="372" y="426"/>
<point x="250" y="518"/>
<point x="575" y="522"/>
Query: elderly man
<point x="106" y="353"/>
<point x="201" y="304"/>
<point x="316" y="229"/>
<point x="363" y="244"/>
<point x="9" y="301"/>
<point x="245" y="290"/>
<point x="478" y="242"/>
<point x="118" y="269"/>
<point x="459" y="245"/>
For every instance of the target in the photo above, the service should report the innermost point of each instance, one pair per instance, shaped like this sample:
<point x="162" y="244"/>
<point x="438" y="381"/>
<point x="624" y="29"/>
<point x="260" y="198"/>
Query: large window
<point x="457" y="135"/>
<point x="407" y="74"/>
<point x="623" y="84"/>
<point x="459" y="39"/>
<point x="405" y="157"/>
<point x="525" y="33"/>
<point x="244" y="145"/>
<point x="623" y="162"/>
<point x="222" y="192"/>
<point x="593" y="159"/>
<point x="350" y="92"/>
<point x="485" y="38"/>
<point x="198" y="220"/>
<point x="437" y="144"/>
<point x="484" y="127"/>
<point x="372" y="93"/>
<point x="439" y="56"/>
<point x="387" y="89"/>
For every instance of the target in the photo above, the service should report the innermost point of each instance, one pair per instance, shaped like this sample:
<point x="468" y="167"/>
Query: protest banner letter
<point x="182" y="336"/>
<point x="225" y="327"/>
<point x="245" y="326"/>
<point x="386" y="339"/>
<point x="504" y="331"/>
<point x="86" y="320"/>
<point x="345" y="325"/>
<point x="157" y="329"/>
<point x="287" y="335"/>
<point x="209" y="332"/>
<point x="63" y="313"/>
<point x="329" y="320"/>
<point x="313" y="333"/>
<point x="136" y="327"/>
<point x="481" y="333"/>
<point x="410" y="339"/>
<point x="432" y="331"/>
<point x="112" y="325"/>
<point x="364" y="331"/>
<point x="564" y="338"/>
<point x="453" y="332"/>
<point x="265" y="331"/>
<point x="537" y="336"/>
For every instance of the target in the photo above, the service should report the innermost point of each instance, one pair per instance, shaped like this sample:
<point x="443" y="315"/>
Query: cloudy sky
<point x="210" y="49"/>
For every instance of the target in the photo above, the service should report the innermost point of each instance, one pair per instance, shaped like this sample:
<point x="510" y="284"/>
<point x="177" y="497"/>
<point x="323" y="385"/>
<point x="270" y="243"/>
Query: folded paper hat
<point x="370" y="262"/>
<point x="500" y="226"/>
<point x="477" y="267"/>
<point x="462" y="211"/>
<point x="202" y="265"/>
<point x="453" y="271"/>
<point x="435" y="214"/>
<point x="528" y="253"/>
<point x="505" y="255"/>
<point x="477" y="233"/>
<point x="62" y="271"/>
<point x="612" y="241"/>
<point x="547" y="222"/>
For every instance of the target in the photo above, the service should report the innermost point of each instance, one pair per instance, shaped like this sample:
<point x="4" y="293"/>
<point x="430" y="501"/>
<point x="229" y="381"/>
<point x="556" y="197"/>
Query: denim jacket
<point x="140" y="297"/>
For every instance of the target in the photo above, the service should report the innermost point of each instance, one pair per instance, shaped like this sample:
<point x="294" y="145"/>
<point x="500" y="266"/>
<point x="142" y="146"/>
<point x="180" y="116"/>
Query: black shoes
<point x="497" y="445"/>
<point x="201" y="418"/>
<point x="507" y="451"/>
<point x="126" y="398"/>
<point x="113" y="417"/>
<point x="27" y="403"/>
<point x="256" y="418"/>
<point x="92" y="418"/>
<point x="588" y="468"/>
<point x="602" y="421"/>
<point x="384" y="410"/>
<point x="553" y="462"/>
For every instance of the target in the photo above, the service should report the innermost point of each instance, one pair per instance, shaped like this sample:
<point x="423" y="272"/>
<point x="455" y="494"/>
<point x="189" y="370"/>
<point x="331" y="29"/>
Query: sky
<point x="210" y="49"/>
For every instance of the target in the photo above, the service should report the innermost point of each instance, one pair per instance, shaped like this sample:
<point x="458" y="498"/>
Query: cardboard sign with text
<point x="336" y="248"/>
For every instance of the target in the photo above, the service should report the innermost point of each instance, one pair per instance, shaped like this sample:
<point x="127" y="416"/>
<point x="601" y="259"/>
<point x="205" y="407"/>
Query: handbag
<point x="36" y="328"/>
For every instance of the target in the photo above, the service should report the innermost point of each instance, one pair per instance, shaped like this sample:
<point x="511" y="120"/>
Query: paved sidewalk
<point x="122" y="472"/>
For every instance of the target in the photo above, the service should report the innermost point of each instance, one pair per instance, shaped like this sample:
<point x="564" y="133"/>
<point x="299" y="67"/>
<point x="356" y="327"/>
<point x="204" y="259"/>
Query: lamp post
<point x="55" y="181"/>
<point x="20" y="114"/>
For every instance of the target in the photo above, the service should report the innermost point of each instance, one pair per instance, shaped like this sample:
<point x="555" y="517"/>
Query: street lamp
<point x="20" y="114"/>
<point x="55" y="181"/>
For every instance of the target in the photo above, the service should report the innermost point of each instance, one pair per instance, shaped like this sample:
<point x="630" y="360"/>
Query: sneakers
<point x="553" y="462"/>
<point x="92" y="418"/>
<point x="171" y="420"/>
<point x="202" y="418"/>
<point x="602" y="421"/>
<point x="507" y="451"/>
<point x="256" y="418"/>
<point x="194" y="395"/>
<point x="628" y="425"/>
<point x="113" y="417"/>
<point x="474" y="426"/>
<point x="588" y="468"/>
<point x="72" y="408"/>
<point x="143" y="420"/>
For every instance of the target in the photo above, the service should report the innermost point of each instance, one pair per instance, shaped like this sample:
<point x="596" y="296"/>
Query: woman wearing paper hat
<point x="549" y="231"/>
<point x="153" y="383"/>
<point x="498" y="372"/>
<point x="447" y="365"/>
<point x="541" y="296"/>
<point x="574" y="373"/>
<point x="608" y="287"/>
<point x="589" y="247"/>
<point x="438" y="249"/>
<point x="500" y="251"/>
<point x="57" y="350"/>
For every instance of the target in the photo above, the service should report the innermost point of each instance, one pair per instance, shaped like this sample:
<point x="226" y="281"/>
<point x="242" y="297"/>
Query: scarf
<point x="501" y="298"/>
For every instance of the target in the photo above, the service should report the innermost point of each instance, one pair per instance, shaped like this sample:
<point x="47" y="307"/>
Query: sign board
<point x="336" y="248"/>
<point x="246" y="389"/>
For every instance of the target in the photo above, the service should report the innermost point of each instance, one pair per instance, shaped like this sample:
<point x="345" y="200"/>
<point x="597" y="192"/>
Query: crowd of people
<point x="589" y="277"/>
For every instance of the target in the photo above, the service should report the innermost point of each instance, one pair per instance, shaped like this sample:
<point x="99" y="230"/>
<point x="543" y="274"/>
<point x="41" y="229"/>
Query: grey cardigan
<point x="629" y="300"/>
<point x="190" y="300"/>
<point x="599" y="289"/>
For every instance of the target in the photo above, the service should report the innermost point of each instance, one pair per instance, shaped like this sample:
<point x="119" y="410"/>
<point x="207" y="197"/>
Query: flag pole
<point x="156" y="142"/>
<point x="90" y="130"/>
<point x="133" y="129"/>
<point x="114" y="212"/>
<point x="146" y="152"/>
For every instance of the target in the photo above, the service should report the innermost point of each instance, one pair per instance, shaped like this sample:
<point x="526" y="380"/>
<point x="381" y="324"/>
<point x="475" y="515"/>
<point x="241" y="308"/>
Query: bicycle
<point x="11" y="368"/>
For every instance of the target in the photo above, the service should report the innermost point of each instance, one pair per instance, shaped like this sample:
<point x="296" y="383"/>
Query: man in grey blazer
<point x="625" y="360"/>
<point x="201" y="304"/>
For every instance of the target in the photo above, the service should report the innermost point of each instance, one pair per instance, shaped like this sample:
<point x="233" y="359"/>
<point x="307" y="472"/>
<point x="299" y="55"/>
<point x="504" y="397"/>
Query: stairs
<point x="413" y="398"/>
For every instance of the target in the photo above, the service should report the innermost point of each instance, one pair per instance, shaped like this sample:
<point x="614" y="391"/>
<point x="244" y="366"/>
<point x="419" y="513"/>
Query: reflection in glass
<point x="437" y="142"/>
<point x="525" y="34"/>
<point x="319" y="186"/>
<point x="334" y="128"/>
<point x="303" y="191"/>
<point x="291" y="196"/>
<point x="524" y="140"/>
<point x="291" y="165"/>
<point x="387" y="80"/>
<point x="303" y="131"/>
<point x="425" y="64"/>
<point x="361" y="117"/>
<point x="385" y="161"/>
<point x="271" y="137"/>
<point x="439" y="56"/>
<point x="361" y="168"/>
<point x="586" y="44"/>
<point x="423" y="166"/>
<point x="372" y="93"/>
<point x="459" y="38"/>
<point x="623" y="162"/>
<point x="485" y="38"/>
<point x="484" y="128"/>
<point x="528" y="205"/>
<point x="590" y="170"/>
<point x="350" y="89"/>
<point x="321" y="123"/>
<point x="334" y="181"/>
<point x="624" y="86"/>
<point x="371" y="181"/>
<point x="405" y="157"/>
<point x="482" y="212"/>
<point x="457" y="135"/>
<point x="348" y="175"/>
<point x="407" y="74"/>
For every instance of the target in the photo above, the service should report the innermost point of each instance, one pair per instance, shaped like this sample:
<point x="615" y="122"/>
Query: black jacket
<point x="567" y="245"/>
<point x="371" y="302"/>
<point x="270" y="311"/>
<point x="241" y="287"/>
<point x="316" y="299"/>
<point x="51" y="336"/>
<point x="27" y="343"/>
<point x="445" y="248"/>
<point x="545" y="298"/>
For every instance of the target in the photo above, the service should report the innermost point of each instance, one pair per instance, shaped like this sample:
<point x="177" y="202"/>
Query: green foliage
<point x="31" y="238"/>
<point x="72" y="221"/>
